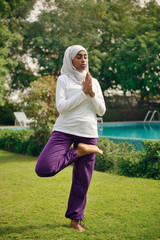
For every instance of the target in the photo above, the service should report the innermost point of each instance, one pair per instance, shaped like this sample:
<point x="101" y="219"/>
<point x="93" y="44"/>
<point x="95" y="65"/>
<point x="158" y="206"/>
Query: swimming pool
<point x="13" y="127"/>
<point x="150" y="131"/>
<point x="133" y="133"/>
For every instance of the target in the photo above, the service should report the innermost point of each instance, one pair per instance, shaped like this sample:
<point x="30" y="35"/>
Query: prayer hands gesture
<point x="87" y="85"/>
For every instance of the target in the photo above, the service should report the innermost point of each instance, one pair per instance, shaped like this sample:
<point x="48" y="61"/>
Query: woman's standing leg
<point x="55" y="155"/>
<point x="82" y="174"/>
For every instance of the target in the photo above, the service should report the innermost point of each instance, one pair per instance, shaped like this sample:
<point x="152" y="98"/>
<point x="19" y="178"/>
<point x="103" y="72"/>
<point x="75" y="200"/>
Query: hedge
<point x="122" y="159"/>
<point x="117" y="158"/>
<point x="23" y="141"/>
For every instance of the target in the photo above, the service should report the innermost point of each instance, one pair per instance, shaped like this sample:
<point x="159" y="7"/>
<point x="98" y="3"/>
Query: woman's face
<point x="80" y="61"/>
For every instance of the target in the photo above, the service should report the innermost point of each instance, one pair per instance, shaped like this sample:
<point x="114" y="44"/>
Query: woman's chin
<point x="81" y="69"/>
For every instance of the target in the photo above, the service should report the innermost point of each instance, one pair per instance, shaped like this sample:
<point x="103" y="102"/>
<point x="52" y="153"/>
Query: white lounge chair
<point x="21" y="119"/>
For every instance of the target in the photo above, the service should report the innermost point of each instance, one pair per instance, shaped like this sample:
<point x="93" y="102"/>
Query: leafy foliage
<point x="12" y="14"/>
<point x="122" y="39"/>
<point x="68" y="23"/>
<point x="132" y="49"/>
<point x="15" y="141"/>
<point x="23" y="141"/>
<point x="21" y="77"/>
<point x="6" y="41"/>
<point x="150" y="160"/>
<point x="116" y="158"/>
<point x="40" y="104"/>
<point x="122" y="159"/>
<point x="111" y="154"/>
<point x="15" y="8"/>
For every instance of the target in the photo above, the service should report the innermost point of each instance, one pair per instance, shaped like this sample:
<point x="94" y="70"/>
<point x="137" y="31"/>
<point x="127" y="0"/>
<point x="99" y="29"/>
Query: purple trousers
<point x="57" y="155"/>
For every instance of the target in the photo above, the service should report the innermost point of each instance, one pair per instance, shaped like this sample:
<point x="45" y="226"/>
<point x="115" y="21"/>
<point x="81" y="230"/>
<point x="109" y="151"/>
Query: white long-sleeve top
<point x="78" y="111"/>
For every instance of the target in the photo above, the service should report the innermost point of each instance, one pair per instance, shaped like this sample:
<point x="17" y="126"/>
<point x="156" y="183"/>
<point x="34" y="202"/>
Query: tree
<point x="39" y="102"/>
<point x="6" y="40"/>
<point x="137" y="66"/>
<point x="21" y="76"/>
<point x="132" y="59"/>
<point x="69" y="22"/>
<point x="11" y="15"/>
<point x="121" y="37"/>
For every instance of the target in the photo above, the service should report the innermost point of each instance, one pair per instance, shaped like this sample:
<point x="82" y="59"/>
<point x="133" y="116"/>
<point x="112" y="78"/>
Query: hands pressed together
<point x="87" y="85"/>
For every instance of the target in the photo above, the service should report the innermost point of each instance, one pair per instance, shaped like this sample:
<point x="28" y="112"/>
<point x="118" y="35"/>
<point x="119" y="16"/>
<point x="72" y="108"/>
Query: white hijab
<point x="68" y="67"/>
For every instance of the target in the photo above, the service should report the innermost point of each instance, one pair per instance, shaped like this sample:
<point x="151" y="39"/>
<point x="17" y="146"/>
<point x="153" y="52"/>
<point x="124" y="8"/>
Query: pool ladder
<point x="152" y="116"/>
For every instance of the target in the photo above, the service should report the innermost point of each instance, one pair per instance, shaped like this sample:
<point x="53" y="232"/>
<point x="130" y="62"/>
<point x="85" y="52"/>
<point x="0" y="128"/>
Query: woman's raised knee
<point x="43" y="172"/>
<point x="39" y="172"/>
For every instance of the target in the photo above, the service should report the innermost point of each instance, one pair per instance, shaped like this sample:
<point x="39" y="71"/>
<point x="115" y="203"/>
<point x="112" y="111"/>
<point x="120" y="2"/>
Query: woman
<point x="78" y="99"/>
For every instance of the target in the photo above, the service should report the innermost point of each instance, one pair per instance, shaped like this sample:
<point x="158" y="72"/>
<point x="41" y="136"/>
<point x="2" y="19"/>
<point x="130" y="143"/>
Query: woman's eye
<point x="79" y="57"/>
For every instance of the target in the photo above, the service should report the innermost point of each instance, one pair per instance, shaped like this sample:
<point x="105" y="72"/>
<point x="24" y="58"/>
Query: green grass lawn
<point x="33" y="208"/>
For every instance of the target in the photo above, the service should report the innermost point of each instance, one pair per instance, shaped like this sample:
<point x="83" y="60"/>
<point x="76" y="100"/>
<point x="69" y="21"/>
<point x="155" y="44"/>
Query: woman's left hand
<point x="87" y="85"/>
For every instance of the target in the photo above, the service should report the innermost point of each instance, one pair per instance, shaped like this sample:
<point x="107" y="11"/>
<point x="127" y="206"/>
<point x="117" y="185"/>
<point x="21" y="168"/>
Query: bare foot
<point x="74" y="224"/>
<point x="85" y="149"/>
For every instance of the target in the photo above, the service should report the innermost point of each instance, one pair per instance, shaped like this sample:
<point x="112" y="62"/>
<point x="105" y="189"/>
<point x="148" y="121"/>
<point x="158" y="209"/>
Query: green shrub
<point x="118" y="158"/>
<point x="144" y="164"/>
<point x="24" y="141"/>
<point x="112" y="153"/>
<point x="122" y="159"/>
<point x="127" y="164"/>
<point x="37" y="141"/>
<point x="149" y="160"/>
<point x="15" y="141"/>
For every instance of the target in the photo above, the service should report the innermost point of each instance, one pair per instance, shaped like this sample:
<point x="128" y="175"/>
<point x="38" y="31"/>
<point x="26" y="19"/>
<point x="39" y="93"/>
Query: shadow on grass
<point x="23" y="229"/>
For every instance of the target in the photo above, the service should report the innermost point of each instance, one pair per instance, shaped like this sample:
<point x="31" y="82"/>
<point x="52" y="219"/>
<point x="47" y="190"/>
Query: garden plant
<point x="117" y="158"/>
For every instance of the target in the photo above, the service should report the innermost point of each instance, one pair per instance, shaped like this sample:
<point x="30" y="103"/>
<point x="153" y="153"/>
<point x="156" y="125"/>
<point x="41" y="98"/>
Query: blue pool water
<point x="148" y="131"/>
<point x="14" y="128"/>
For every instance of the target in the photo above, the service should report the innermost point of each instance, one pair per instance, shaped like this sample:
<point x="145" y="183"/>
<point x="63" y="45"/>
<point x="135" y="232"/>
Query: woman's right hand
<point x="87" y="85"/>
